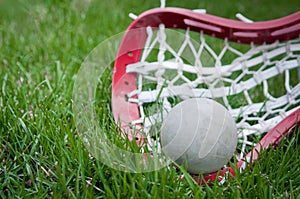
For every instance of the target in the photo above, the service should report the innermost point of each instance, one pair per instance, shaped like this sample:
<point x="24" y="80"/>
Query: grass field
<point x="42" y="45"/>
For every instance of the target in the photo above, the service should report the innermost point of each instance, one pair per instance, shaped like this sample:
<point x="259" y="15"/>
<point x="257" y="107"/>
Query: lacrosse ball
<point x="200" y="134"/>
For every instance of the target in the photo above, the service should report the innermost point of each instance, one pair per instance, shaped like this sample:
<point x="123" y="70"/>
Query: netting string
<point x="162" y="3"/>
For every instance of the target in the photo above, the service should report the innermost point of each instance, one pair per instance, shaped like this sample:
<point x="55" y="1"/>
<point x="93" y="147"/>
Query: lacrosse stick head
<point x="169" y="55"/>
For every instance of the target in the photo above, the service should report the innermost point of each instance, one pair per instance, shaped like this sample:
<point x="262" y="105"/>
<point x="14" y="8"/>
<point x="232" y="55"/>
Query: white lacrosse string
<point x="162" y="3"/>
<point x="243" y="18"/>
<point x="132" y="16"/>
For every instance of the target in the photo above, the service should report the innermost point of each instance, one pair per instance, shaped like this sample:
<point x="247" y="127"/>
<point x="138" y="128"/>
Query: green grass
<point x="42" y="46"/>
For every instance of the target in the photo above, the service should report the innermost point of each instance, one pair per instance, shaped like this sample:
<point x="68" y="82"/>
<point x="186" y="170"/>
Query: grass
<point x="42" y="46"/>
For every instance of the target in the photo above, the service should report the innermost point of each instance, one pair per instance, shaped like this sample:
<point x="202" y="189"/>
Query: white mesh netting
<point x="259" y="84"/>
